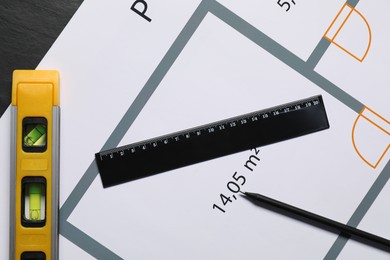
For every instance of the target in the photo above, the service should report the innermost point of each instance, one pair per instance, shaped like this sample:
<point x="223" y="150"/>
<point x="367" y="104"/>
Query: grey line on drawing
<point x="318" y="52"/>
<point x="87" y="243"/>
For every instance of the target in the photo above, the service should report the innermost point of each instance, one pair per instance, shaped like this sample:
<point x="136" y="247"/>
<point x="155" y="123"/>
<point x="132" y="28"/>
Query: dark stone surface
<point x="27" y="31"/>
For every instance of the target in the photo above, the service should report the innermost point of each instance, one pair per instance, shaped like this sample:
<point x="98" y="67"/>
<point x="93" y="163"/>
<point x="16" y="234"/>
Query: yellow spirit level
<point x="34" y="165"/>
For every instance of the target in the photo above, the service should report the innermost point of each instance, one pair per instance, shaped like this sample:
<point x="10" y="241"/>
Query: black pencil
<point x="344" y="229"/>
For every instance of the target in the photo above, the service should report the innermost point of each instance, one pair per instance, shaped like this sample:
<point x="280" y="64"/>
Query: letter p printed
<point x="142" y="13"/>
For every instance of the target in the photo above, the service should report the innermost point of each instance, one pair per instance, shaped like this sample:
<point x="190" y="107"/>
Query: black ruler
<point x="168" y="152"/>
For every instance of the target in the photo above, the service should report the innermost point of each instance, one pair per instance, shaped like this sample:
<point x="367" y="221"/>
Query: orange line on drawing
<point x="353" y="137"/>
<point x="375" y="124"/>
<point x="378" y="115"/>
<point x="326" y="37"/>
<point x="334" y="20"/>
<point x="345" y="20"/>
<point x="383" y="155"/>
<point x="342" y="25"/>
<point x="369" y="34"/>
<point x="350" y="53"/>
<point x="353" y="140"/>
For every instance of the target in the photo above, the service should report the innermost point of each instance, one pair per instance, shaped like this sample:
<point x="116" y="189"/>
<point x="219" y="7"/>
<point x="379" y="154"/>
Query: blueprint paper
<point x="126" y="79"/>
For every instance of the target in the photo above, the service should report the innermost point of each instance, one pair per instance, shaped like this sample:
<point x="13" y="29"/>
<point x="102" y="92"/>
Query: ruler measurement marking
<point x="232" y="122"/>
